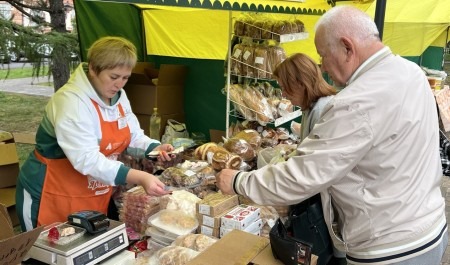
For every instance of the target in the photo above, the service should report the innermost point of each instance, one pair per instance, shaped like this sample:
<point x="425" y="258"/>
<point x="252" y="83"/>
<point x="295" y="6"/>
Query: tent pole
<point x="227" y="85"/>
<point x="380" y="11"/>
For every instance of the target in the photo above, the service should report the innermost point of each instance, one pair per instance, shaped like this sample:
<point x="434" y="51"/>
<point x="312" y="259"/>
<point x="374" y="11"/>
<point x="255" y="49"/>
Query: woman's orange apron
<point x="66" y="191"/>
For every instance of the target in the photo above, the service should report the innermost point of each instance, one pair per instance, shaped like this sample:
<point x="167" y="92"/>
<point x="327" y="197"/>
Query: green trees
<point x="42" y="41"/>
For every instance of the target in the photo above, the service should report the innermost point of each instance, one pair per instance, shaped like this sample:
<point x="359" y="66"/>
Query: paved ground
<point x="31" y="86"/>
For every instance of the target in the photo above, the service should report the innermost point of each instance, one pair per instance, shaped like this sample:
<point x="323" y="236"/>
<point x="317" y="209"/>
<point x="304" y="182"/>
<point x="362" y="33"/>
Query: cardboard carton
<point x="144" y="121"/>
<point x="216" y="136"/>
<point x="8" y="199"/>
<point x="216" y="203"/>
<point x="209" y="231"/>
<point x="237" y="247"/>
<point x="162" y="88"/>
<point x="13" y="248"/>
<point x="25" y="138"/>
<point x="9" y="161"/>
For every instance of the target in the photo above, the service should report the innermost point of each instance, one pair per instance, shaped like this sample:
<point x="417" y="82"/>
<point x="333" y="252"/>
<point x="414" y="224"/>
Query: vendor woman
<point x="86" y="125"/>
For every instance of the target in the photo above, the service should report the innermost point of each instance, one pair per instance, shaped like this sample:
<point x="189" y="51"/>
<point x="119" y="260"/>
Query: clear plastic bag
<point x="273" y="155"/>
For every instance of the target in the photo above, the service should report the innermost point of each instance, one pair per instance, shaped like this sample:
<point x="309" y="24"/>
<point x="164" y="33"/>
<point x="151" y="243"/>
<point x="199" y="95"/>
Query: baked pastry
<point x="251" y="136"/>
<point x="241" y="148"/>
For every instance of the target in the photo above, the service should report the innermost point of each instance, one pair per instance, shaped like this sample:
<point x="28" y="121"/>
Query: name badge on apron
<point x="122" y="122"/>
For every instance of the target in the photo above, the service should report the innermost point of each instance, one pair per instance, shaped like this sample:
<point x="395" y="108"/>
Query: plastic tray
<point x="173" y="223"/>
<point x="159" y="235"/>
<point x="79" y="232"/>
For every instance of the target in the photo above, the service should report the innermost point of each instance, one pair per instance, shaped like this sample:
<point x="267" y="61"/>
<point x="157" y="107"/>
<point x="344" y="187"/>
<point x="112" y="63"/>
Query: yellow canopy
<point x="411" y="26"/>
<point x="205" y="34"/>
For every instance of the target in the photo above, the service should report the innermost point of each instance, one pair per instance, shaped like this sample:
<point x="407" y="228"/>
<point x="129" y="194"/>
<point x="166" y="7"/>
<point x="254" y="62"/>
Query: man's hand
<point x="224" y="180"/>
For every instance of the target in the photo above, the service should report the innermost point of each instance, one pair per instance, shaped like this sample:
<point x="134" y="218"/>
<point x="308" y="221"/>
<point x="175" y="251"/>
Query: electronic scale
<point x="86" y="250"/>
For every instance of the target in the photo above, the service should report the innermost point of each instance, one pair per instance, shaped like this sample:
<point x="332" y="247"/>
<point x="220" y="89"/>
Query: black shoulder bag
<point x="308" y="224"/>
<point x="287" y="249"/>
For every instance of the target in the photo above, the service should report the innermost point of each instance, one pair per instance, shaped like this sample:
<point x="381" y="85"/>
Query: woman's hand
<point x="163" y="152"/>
<point x="151" y="184"/>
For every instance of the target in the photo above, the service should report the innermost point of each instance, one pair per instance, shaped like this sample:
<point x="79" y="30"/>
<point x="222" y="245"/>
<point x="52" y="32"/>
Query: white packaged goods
<point x="240" y="217"/>
<point x="253" y="228"/>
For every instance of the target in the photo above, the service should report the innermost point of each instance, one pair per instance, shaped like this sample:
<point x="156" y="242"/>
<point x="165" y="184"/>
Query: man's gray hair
<point x="347" y="21"/>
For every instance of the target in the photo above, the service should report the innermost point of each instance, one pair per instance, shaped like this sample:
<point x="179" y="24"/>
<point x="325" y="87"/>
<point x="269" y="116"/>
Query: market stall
<point x="195" y="223"/>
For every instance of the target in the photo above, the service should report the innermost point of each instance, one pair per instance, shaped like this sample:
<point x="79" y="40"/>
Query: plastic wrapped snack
<point x="197" y="242"/>
<point x="180" y="200"/>
<point x="179" y="177"/>
<point x="172" y="255"/>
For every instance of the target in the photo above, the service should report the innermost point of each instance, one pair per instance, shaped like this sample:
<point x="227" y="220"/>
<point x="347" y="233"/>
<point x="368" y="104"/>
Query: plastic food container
<point x="173" y="223"/>
<point x="159" y="236"/>
<point x="63" y="240"/>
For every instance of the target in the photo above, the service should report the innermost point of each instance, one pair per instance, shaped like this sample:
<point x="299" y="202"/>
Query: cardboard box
<point x="240" y="217"/>
<point x="216" y="135"/>
<point x="216" y="203"/>
<point x="144" y="121"/>
<point x="8" y="199"/>
<point x="211" y="221"/>
<point x="9" y="161"/>
<point x="162" y="88"/>
<point x="13" y="248"/>
<point x="25" y="138"/>
<point x="237" y="247"/>
<point x="209" y="231"/>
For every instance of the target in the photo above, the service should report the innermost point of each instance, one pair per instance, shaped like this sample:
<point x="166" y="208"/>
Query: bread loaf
<point x="254" y="30"/>
<point x="300" y="25"/>
<point x="266" y="32"/>
<point x="280" y="28"/>
<point x="260" y="62"/>
<point x="239" y="28"/>
<point x="236" y="59"/>
<point x="251" y="136"/>
<point x="248" y="60"/>
<point x="241" y="148"/>
<point x="276" y="55"/>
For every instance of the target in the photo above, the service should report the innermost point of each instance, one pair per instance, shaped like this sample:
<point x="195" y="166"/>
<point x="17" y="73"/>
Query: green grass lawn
<point x="21" y="72"/>
<point x="21" y="113"/>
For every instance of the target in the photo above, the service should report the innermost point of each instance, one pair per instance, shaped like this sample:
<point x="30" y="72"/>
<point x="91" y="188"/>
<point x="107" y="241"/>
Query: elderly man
<point x="373" y="155"/>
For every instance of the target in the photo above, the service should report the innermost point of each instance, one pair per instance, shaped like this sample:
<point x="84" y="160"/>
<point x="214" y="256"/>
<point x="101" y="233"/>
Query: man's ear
<point x="349" y="47"/>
